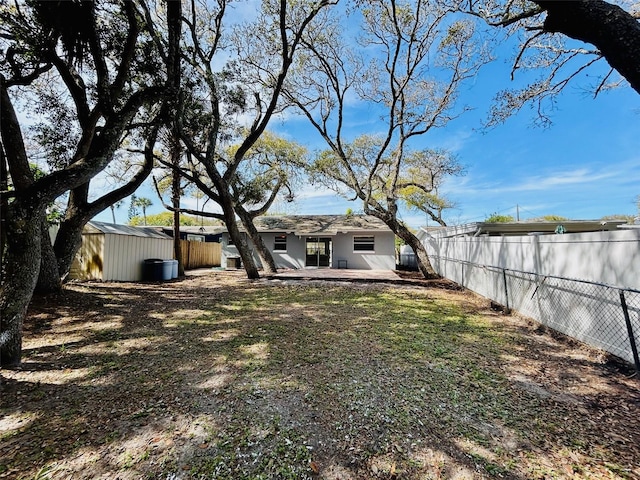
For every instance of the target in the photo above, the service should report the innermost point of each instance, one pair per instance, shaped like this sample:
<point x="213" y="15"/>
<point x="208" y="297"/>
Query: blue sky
<point x="585" y="166"/>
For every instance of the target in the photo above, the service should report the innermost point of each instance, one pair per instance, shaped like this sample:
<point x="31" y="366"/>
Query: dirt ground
<point x="215" y="376"/>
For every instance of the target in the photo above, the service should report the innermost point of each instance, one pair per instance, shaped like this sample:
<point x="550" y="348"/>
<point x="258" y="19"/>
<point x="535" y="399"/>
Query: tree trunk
<point x="20" y="268"/>
<point x="175" y="201"/>
<point x="68" y="242"/>
<point x="614" y="31"/>
<point x="69" y="238"/>
<point x="49" y="278"/>
<point x="268" y="264"/>
<point x="422" y="257"/>
<point x="238" y="239"/>
<point x="244" y="251"/>
<point x="4" y="182"/>
<point x="177" y="245"/>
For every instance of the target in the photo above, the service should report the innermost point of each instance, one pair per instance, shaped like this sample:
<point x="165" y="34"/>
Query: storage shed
<point x="111" y="252"/>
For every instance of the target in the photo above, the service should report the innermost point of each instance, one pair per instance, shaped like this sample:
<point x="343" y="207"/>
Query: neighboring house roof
<point x="115" y="229"/>
<point x="203" y="230"/>
<point x="525" y="228"/>
<point x="320" y="224"/>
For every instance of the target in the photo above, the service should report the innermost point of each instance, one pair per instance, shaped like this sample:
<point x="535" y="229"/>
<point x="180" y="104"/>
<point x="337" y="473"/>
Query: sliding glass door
<point x="318" y="252"/>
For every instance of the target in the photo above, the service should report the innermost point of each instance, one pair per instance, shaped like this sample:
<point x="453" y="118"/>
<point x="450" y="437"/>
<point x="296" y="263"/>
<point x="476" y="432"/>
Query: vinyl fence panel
<point x="573" y="283"/>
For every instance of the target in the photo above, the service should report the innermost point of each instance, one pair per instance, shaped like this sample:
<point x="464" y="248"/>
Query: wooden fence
<point x="200" y="254"/>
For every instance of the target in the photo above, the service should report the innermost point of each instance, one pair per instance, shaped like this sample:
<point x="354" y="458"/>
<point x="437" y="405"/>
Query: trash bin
<point x="174" y="270"/>
<point x="167" y="269"/>
<point x="152" y="270"/>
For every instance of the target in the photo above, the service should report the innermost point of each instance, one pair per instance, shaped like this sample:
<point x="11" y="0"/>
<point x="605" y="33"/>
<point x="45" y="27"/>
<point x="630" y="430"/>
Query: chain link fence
<point x="600" y="315"/>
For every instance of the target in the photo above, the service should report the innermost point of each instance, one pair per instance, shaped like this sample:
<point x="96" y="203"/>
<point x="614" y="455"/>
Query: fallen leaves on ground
<point x="219" y="377"/>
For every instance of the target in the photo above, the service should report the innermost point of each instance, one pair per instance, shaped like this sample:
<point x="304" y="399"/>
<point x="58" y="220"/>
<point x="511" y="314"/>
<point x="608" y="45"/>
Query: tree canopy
<point x="406" y="65"/>
<point x="166" y="219"/>
<point x="99" y="56"/>
<point x="499" y="218"/>
<point x="561" y="41"/>
<point x="225" y="110"/>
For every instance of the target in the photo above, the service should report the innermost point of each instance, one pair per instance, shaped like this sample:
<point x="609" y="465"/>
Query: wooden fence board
<point x="200" y="254"/>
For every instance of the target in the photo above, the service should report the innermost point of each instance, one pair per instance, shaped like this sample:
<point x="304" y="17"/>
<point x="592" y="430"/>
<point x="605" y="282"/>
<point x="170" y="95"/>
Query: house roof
<point x="525" y="228"/>
<point x="327" y="225"/>
<point x="203" y="230"/>
<point x="115" y="229"/>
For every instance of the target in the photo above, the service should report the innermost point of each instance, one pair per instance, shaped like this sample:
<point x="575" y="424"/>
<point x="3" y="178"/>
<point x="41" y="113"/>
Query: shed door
<point x="318" y="252"/>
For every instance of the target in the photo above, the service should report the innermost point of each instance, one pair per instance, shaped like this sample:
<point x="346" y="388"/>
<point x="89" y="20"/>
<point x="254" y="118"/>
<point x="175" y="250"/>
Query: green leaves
<point x="498" y="218"/>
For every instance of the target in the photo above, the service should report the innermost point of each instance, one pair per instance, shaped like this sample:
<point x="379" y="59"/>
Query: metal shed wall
<point x="124" y="254"/>
<point x="89" y="262"/>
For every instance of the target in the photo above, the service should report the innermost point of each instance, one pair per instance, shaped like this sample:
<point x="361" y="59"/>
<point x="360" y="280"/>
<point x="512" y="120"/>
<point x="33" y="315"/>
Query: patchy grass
<point x="219" y="377"/>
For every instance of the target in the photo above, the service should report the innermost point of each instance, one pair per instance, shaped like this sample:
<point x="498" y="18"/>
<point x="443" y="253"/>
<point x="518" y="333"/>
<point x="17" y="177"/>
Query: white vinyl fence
<point x="585" y="285"/>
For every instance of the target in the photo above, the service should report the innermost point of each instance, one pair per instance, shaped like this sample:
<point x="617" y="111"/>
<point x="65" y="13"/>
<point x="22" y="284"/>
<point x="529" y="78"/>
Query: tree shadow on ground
<point x="207" y="379"/>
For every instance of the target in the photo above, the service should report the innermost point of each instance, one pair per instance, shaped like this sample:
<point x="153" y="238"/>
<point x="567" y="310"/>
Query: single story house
<point x="315" y="241"/>
<point x="112" y="252"/>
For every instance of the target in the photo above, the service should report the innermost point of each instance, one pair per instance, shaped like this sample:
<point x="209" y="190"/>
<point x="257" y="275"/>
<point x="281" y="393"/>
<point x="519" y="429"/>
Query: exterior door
<point x="318" y="252"/>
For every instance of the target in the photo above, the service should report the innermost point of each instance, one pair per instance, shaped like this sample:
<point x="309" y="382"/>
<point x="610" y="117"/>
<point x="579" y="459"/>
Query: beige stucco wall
<point x="383" y="258"/>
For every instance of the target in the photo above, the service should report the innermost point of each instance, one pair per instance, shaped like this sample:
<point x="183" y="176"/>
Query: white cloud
<point x="315" y="191"/>
<point x="552" y="180"/>
<point x="579" y="177"/>
<point x="200" y="204"/>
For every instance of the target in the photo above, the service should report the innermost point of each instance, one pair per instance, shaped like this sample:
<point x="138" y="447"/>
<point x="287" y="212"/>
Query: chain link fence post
<point x="632" y="338"/>
<point x="582" y="309"/>
<point x="506" y="292"/>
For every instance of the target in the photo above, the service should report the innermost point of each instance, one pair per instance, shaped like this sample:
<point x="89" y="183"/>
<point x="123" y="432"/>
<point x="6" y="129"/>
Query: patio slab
<point x="339" y="274"/>
<point x="334" y="274"/>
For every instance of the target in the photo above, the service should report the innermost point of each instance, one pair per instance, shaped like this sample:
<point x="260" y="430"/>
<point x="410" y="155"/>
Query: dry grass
<point x="219" y="377"/>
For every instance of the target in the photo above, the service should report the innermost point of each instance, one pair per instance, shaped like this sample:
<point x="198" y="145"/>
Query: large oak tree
<point x="71" y="45"/>
<point x="237" y="71"/>
<point x="404" y="68"/>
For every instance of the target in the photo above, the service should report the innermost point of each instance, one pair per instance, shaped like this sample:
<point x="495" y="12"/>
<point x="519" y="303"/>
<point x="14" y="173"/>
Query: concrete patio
<point x="336" y="274"/>
<point x="339" y="274"/>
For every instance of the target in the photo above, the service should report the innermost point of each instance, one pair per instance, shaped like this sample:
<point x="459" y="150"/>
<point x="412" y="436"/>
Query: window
<point x="363" y="244"/>
<point x="280" y="243"/>
<point x="230" y="240"/>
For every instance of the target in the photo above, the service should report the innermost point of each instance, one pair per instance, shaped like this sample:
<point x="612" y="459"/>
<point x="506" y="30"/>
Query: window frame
<point x="364" y="243"/>
<point x="282" y="242"/>
<point x="230" y="241"/>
